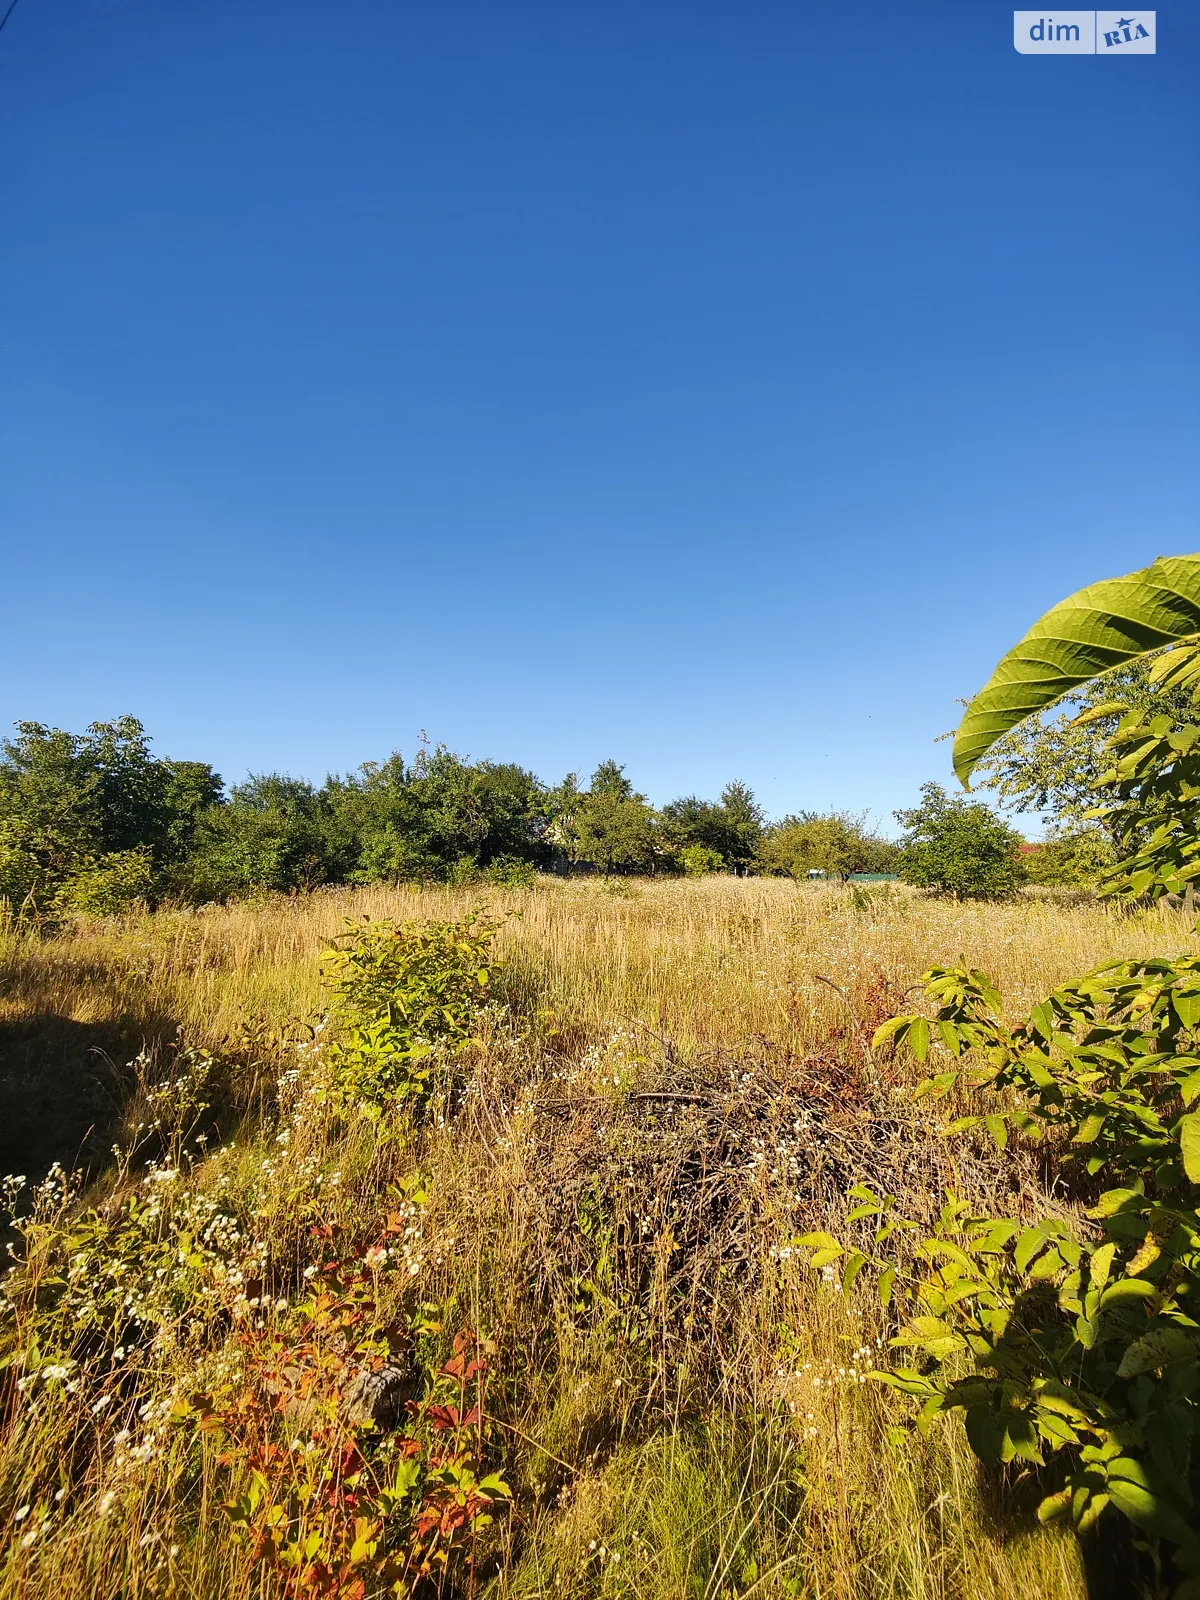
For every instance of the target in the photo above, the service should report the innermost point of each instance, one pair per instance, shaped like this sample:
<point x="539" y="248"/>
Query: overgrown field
<point x="540" y="1329"/>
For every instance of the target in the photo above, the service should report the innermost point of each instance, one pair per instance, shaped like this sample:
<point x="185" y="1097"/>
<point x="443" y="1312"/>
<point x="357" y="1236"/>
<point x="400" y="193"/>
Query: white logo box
<point x="1085" y="33"/>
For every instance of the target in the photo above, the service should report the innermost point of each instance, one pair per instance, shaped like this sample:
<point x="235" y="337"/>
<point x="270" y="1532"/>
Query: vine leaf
<point x="1089" y="633"/>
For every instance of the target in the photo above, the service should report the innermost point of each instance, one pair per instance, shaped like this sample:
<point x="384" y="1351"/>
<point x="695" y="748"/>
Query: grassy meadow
<point x="670" y="1083"/>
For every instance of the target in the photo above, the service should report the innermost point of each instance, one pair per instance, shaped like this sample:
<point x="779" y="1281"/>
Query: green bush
<point x="405" y="997"/>
<point x="838" y="844"/>
<point x="463" y="872"/>
<point x="1081" y="1349"/>
<point x="1077" y="859"/>
<point x="108" y="885"/>
<point x="958" y="847"/>
<point x="1073" y="1350"/>
<point x="698" y="859"/>
<point x="509" y="872"/>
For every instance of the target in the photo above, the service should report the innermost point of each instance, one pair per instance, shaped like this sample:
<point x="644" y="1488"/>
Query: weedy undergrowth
<point x="678" y="1413"/>
<point x="334" y="1502"/>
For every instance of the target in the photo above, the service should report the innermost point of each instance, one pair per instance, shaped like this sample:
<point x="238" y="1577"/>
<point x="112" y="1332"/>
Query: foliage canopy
<point x="958" y="847"/>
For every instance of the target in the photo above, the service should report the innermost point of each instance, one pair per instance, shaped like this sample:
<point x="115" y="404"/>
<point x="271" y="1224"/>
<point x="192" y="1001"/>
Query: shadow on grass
<point x="65" y="1087"/>
<point x="1114" y="1568"/>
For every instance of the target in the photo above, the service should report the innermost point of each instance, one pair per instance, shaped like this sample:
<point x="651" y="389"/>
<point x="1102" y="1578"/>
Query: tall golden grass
<point x="710" y="961"/>
<point x="733" y="1451"/>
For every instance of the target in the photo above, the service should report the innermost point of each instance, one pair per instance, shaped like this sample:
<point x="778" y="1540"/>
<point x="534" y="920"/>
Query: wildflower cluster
<point x="104" y="1283"/>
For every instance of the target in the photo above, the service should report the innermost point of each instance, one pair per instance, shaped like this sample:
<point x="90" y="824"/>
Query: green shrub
<point x="1081" y="1348"/>
<point x="1077" y="859"/>
<point x="510" y="872"/>
<point x="260" y="842"/>
<point x="838" y="844"/>
<point x="697" y="860"/>
<point x="404" y="997"/>
<point x="1074" y="1350"/>
<point x="462" y="872"/>
<point x="109" y="884"/>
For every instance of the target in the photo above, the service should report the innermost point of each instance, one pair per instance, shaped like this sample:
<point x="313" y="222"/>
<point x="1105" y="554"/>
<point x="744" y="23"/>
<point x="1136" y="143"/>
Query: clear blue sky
<point x="720" y="387"/>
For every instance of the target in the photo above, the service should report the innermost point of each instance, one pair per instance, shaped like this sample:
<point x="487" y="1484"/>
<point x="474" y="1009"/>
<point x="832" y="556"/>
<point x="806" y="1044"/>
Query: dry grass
<point x="713" y="961"/>
<point x="671" y="1093"/>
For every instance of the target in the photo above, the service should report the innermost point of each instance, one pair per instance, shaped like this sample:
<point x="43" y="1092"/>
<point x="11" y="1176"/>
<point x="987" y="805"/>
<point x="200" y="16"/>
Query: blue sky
<point x="718" y="387"/>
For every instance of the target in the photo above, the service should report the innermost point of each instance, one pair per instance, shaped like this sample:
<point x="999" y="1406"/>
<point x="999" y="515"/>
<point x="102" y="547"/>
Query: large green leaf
<point x="1099" y="628"/>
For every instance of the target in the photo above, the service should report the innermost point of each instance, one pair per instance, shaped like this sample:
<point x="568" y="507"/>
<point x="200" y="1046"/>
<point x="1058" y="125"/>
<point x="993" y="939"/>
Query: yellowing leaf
<point x="1159" y="1349"/>
<point x="1189" y="1144"/>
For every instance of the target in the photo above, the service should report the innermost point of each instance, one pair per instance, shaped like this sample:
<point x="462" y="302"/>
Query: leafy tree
<point x="745" y="820"/>
<point x="69" y="802"/>
<point x="690" y="821"/>
<point x="561" y="807"/>
<point x="731" y="826"/>
<point x="483" y="810"/>
<point x="610" y="783"/>
<point x="610" y="826"/>
<point x="189" y="789"/>
<point x="241" y="849"/>
<point x="1149" y="798"/>
<point x="437" y="816"/>
<point x="1075" y="858"/>
<point x="1053" y="765"/>
<point x="958" y="847"/>
<point x="377" y="828"/>
<point x="838" y="844"/>
<point x="1110" y="625"/>
<point x="1070" y="1350"/>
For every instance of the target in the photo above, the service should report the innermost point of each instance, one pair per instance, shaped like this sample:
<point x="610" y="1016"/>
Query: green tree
<point x="958" y="847"/>
<point x="838" y="844"/>
<point x="1149" y="798"/>
<point x="731" y="826"/>
<point x="745" y="820"/>
<point x="70" y="802"/>
<point x="440" y="815"/>
<point x="609" y="827"/>
<point x="269" y="836"/>
<point x="1074" y="858"/>
<point x="1073" y="1349"/>
<point x="189" y="789"/>
<point x="1052" y="765"/>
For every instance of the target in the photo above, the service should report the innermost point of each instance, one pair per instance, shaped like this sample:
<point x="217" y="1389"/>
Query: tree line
<point x="96" y="821"/>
